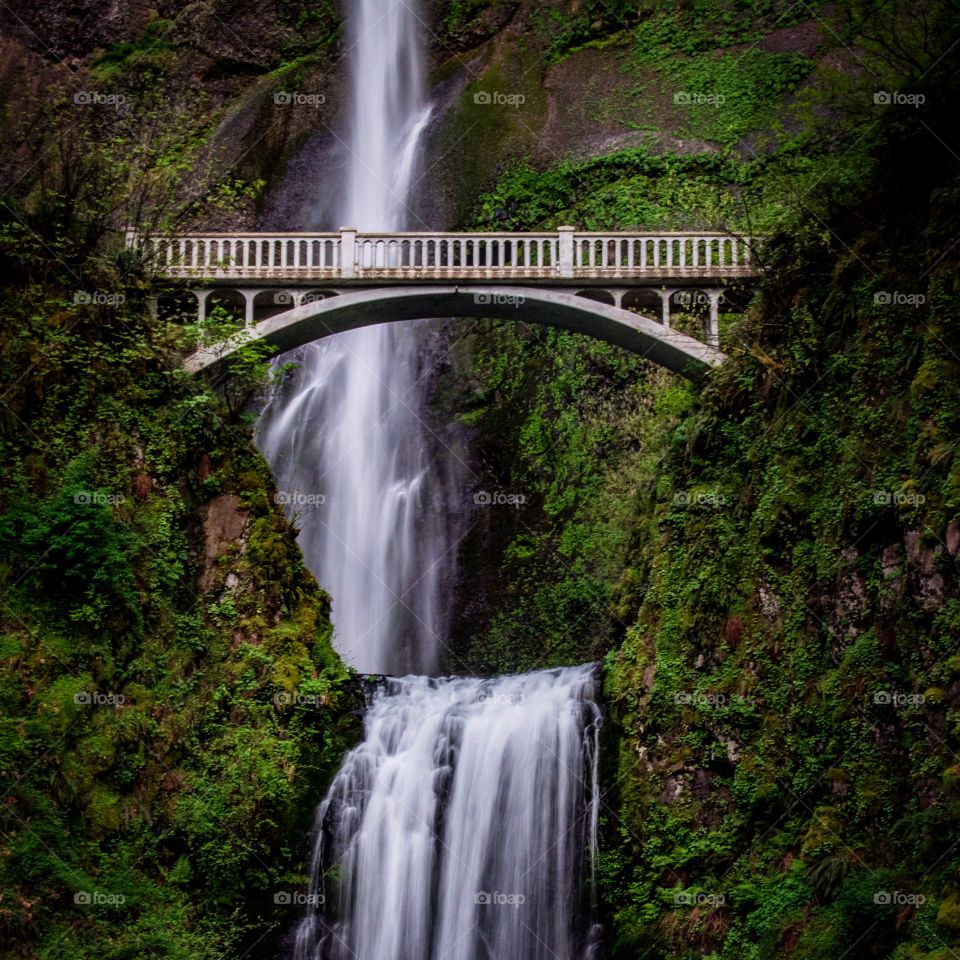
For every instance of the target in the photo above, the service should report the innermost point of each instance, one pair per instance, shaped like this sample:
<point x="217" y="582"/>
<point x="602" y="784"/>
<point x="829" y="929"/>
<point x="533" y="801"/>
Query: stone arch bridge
<point x="292" y="288"/>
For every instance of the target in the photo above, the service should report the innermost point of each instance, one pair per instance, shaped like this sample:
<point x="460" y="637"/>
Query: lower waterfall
<point x="463" y="826"/>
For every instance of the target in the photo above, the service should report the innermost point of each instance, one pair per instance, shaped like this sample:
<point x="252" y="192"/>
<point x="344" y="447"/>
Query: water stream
<point x="348" y="434"/>
<point x="457" y="830"/>
<point x="463" y="827"/>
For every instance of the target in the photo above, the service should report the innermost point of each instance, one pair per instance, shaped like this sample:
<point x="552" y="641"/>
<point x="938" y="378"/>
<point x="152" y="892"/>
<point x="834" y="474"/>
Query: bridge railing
<point x="349" y="255"/>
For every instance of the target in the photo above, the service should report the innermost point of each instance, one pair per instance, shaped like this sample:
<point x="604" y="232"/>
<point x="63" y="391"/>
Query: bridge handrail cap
<point x="566" y="228"/>
<point x="345" y="229"/>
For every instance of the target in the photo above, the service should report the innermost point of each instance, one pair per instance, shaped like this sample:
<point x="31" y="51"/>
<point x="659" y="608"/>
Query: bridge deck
<point x="348" y="257"/>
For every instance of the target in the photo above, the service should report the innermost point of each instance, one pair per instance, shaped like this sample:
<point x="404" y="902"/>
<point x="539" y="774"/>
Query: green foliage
<point x="460" y="13"/>
<point x="151" y="51"/>
<point x="621" y="191"/>
<point x="73" y="549"/>
<point x="764" y="559"/>
<point x="153" y="784"/>
<point x="732" y="94"/>
<point x="584" y="24"/>
<point x="704" y="26"/>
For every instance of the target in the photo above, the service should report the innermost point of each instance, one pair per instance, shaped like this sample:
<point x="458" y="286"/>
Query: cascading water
<point x="456" y="830"/>
<point x="347" y="432"/>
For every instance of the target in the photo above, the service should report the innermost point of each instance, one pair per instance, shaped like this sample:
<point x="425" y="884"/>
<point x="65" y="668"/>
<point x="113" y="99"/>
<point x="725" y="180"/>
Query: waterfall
<point x="456" y="830"/>
<point x="347" y="433"/>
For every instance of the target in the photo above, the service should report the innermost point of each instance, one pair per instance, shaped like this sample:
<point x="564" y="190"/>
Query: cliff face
<point x="170" y="704"/>
<point x="771" y="563"/>
<point x="785" y="696"/>
<point x="242" y="87"/>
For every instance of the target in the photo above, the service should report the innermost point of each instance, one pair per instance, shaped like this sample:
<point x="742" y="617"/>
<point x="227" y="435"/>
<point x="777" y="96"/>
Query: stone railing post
<point x="565" y="249"/>
<point x="348" y="253"/>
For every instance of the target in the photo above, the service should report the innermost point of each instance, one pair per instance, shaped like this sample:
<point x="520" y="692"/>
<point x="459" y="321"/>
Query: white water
<point x="456" y="830"/>
<point x="349" y="427"/>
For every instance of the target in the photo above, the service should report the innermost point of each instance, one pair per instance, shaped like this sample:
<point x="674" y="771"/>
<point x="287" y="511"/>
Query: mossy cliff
<point x="784" y="700"/>
<point x="171" y="705"/>
<point x="771" y="558"/>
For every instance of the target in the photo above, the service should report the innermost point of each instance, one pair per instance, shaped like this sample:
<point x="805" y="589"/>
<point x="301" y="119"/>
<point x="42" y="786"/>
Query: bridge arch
<point x="359" y="308"/>
<point x="598" y="295"/>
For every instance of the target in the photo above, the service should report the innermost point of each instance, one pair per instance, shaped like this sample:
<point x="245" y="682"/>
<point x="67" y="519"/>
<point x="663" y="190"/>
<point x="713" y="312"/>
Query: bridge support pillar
<point x="665" y="294"/>
<point x="713" y="337"/>
<point x="618" y="296"/>
<point x="249" y="296"/>
<point x="201" y="296"/>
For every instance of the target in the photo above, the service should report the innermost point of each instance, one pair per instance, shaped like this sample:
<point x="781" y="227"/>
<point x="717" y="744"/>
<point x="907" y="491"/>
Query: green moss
<point x="152" y="51"/>
<point x="150" y="756"/>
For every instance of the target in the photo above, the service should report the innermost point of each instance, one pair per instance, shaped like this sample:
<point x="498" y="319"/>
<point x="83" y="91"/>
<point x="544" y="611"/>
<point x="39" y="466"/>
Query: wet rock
<point x="953" y="538"/>
<point x="223" y="528"/>
<point x="770" y="602"/>
<point x="672" y="791"/>
<point x="891" y="560"/>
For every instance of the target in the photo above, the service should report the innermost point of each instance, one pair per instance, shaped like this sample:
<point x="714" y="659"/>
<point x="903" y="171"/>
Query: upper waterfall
<point x="350" y="426"/>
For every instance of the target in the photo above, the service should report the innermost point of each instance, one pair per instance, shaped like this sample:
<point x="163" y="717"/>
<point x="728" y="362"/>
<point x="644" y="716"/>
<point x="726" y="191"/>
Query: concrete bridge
<point x="292" y="288"/>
